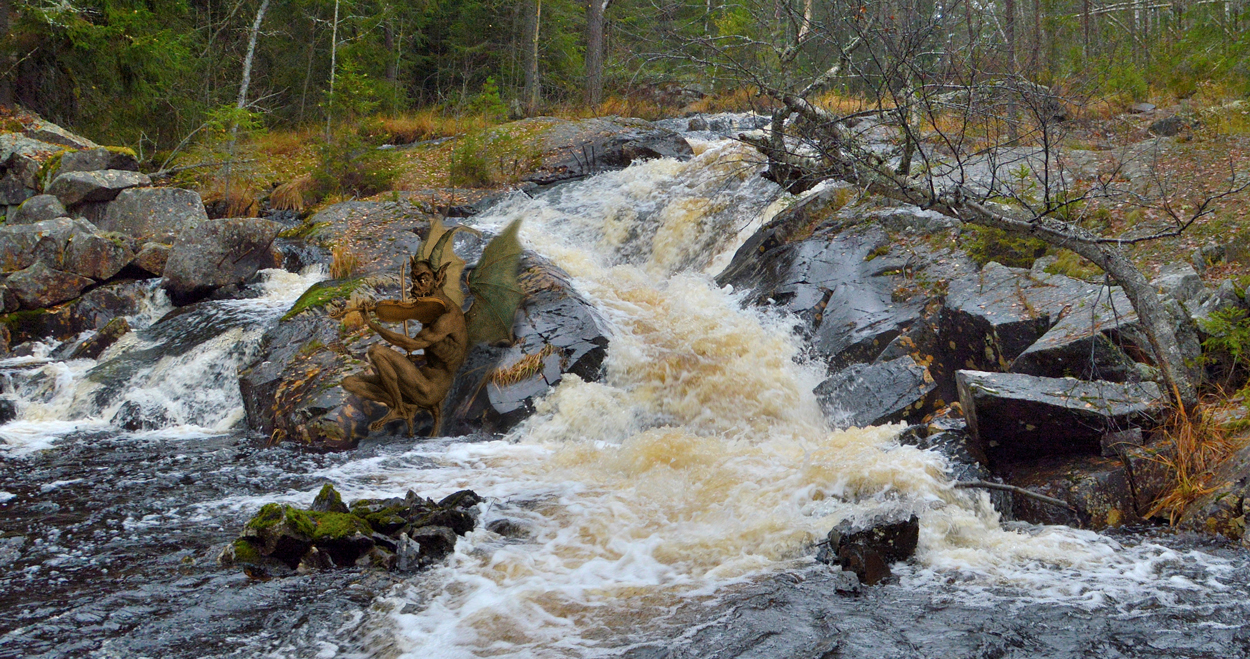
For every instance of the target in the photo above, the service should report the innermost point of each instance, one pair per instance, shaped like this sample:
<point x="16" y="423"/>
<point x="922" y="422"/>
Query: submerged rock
<point x="878" y="393"/>
<point x="1022" y="417"/>
<point x="404" y="534"/>
<point x="868" y="550"/>
<point x="570" y="150"/>
<point x="107" y="336"/>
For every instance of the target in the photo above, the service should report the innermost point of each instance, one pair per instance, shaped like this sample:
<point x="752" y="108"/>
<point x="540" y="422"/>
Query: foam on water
<point x="188" y="392"/>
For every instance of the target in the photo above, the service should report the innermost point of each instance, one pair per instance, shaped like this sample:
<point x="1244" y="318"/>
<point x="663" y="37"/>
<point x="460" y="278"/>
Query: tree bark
<point x="595" y="11"/>
<point x="532" y="94"/>
<point x="251" y="53"/>
<point x="6" y="83"/>
<point x="392" y="63"/>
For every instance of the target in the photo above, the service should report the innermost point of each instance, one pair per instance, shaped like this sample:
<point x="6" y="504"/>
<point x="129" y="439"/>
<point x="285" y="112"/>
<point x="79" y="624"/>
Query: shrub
<point x="348" y="166"/>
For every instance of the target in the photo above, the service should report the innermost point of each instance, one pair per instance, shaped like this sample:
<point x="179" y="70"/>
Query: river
<point x="669" y="509"/>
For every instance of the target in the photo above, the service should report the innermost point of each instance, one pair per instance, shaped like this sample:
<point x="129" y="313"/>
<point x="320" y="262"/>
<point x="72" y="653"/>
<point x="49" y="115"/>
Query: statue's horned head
<point x="426" y="279"/>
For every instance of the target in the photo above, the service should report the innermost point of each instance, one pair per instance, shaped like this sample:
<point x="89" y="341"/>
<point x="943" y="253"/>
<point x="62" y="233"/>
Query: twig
<point x="1014" y="490"/>
<point x="166" y="173"/>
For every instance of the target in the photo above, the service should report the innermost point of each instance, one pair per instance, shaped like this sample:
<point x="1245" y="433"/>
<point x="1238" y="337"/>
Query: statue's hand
<point x="367" y="306"/>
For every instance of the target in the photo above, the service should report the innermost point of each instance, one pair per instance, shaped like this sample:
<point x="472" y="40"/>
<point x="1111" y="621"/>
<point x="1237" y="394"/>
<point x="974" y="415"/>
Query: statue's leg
<point x="389" y="365"/>
<point x="368" y="387"/>
<point x="437" y="412"/>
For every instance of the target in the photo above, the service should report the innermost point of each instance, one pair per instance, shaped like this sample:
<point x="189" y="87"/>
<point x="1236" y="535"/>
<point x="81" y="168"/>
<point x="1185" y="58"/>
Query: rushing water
<point x="669" y="509"/>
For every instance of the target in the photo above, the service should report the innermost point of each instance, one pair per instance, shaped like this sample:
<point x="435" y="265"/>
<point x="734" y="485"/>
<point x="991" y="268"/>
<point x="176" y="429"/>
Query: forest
<point x="146" y="73"/>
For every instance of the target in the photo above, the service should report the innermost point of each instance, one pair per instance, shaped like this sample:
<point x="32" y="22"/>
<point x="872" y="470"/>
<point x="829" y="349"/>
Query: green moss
<point x="50" y="167"/>
<point x="321" y="294"/>
<point x="246" y="552"/>
<point x="1068" y="263"/>
<point x="305" y="230"/>
<point x="335" y="526"/>
<point x="383" y="519"/>
<point x="124" y="150"/>
<point x="329" y="498"/>
<point x="273" y="513"/>
<point x="985" y="244"/>
<point x="26" y="322"/>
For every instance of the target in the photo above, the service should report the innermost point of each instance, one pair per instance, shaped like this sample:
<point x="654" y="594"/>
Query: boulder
<point x="1022" y="417"/>
<point x="105" y="337"/>
<point x="96" y="256"/>
<point x="39" y="286"/>
<point x="1170" y="126"/>
<point x="19" y="178"/>
<point x="152" y="214"/>
<point x="37" y="209"/>
<point x="875" y="394"/>
<point x="50" y="133"/>
<point x="965" y="461"/>
<point x="570" y="150"/>
<point x="1098" y="490"/>
<point x="78" y="187"/>
<point x="8" y="412"/>
<point x="214" y="253"/>
<point x="23" y="244"/>
<point x="152" y="258"/>
<point x="91" y="160"/>
<point x="855" y="289"/>
<point x="1179" y="280"/>
<point x="92" y="311"/>
<point x="869" y="549"/>
<point x="292" y="391"/>
<point x="1221" y="507"/>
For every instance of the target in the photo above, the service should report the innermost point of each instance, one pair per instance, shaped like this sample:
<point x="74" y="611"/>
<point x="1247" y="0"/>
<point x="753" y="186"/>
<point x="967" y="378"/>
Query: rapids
<point x="668" y="510"/>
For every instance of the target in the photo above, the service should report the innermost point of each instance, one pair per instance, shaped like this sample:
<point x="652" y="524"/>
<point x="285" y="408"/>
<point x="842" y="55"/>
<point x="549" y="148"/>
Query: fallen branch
<point x="166" y="173"/>
<point x="986" y="485"/>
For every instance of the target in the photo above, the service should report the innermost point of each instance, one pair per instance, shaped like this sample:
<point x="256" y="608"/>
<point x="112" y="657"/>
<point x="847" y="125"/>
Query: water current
<point x="668" y="510"/>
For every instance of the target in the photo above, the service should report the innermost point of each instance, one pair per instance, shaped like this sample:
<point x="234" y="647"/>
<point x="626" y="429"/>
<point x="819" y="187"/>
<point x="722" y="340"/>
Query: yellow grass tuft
<point x="345" y="260"/>
<point x="292" y="195"/>
<point x="523" y="369"/>
<point x="239" y="196"/>
<point x="1200" y="444"/>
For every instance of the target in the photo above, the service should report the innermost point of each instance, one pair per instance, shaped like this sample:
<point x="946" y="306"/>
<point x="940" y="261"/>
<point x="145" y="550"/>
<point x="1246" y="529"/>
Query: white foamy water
<point x="700" y="461"/>
<point x="185" y="390"/>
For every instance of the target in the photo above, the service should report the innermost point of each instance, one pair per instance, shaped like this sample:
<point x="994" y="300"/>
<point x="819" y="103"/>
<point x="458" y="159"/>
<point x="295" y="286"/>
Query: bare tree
<point x="595" y="12"/>
<point x="533" y="94"/>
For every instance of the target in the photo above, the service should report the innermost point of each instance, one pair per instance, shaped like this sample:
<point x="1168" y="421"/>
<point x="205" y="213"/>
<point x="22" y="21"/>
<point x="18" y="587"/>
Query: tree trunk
<point x="6" y="84"/>
<point x="595" y="11"/>
<point x="334" y="53"/>
<point x="532" y="94"/>
<point x="251" y="53"/>
<point x="392" y="63"/>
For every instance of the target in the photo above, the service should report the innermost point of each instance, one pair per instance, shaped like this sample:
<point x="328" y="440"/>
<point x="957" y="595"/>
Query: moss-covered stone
<point x="337" y="526"/>
<point x="241" y="552"/>
<point x="322" y="294"/>
<point x="329" y="501"/>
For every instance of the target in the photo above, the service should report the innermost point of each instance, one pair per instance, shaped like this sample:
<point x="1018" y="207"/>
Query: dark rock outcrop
<point x="1021" y="417"/>
<point x="216" y="253"/>
<point x="868" y="550"/>
<point x="1102" y="492"/>
<point x="105" y="337"/>
<point x="78" y="187"/>
<point x="37" y="209"/>
<point x="92" y="311"/>
<point x="877" y="393"/>
<point x="153" y="214"/>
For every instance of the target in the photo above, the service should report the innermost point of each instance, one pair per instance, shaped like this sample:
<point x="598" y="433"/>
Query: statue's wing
<point x="496" y="293"/>
<point x="424" y="310"/>
<point x="437" y="249"/>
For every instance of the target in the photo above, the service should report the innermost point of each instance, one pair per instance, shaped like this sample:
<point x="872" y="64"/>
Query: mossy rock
<point x="323" y="293"/>
<point x="337" y="526"/>
<point x="240" y="552"/>
<point x="386" y="516"/>
<point x="329" y="501"/>
<point x="985" y="244"/>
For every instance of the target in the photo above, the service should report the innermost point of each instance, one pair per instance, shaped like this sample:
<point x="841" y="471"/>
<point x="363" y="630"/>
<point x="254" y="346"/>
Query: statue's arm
<point x="395" y="338"/>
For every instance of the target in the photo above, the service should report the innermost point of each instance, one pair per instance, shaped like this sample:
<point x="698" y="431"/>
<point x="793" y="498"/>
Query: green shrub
<point x="351" y="167"/>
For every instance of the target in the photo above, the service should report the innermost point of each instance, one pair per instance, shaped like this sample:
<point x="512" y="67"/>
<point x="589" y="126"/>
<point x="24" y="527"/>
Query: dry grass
<point x="1199" y="444"/>
<point x="523" y="369"/>
<point x="294" y="195"/>
<point x="345" y="261"/>
<point x="425" y="125"/>
<point x="240" y="196"/>
<point x="742" y="99"/>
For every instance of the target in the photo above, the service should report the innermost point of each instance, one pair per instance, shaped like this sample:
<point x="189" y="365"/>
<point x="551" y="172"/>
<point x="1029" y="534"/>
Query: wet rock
<point x="91" y="160"/>
<point x="39" y="286"/>
<point x="965" y="461"/>
<point x="508" y="528"/>
<point x="874" y="394"/>
<point x="8" y="410"/>
<point x="1115" y="443"/>
<point x="868" y="550"/>
<point x="1224" y="297"/>
<point x="1222" y="508"/>
<point x="37" y="209"/>
<point x="571" y="150"/>
<point x="1099" y="491"/>
<point x="152" y="258"/>
<point x="1088" y="340"/>
<point x="136" y="417"/>
<point x="856" y="289"/>
<point x="329" y="501"/>
<point x="216" y="253"/>
<point x="697" y="123"/>
<point x="308" y="354"/>
<point x="92" y="311"/>
<point x="107" y="336"/>
<point x="1022" y="417"/>
<point x="153" y="214"/>
<point x="298" y="254"/>
<point x="395" y="533"/>
<point x="78" y="187"/>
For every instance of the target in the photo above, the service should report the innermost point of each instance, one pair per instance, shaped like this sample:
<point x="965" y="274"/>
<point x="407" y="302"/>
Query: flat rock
<point x="39" y="286"/>
<point x="37" y="209"/>
<point x="78" y="187"/>
<point x="152" y="214"/>
<point x="214" y="253"/>
<point x="91" y="160"/>
<point x="878" y="393"/>
<point x="1022" y="417"/>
